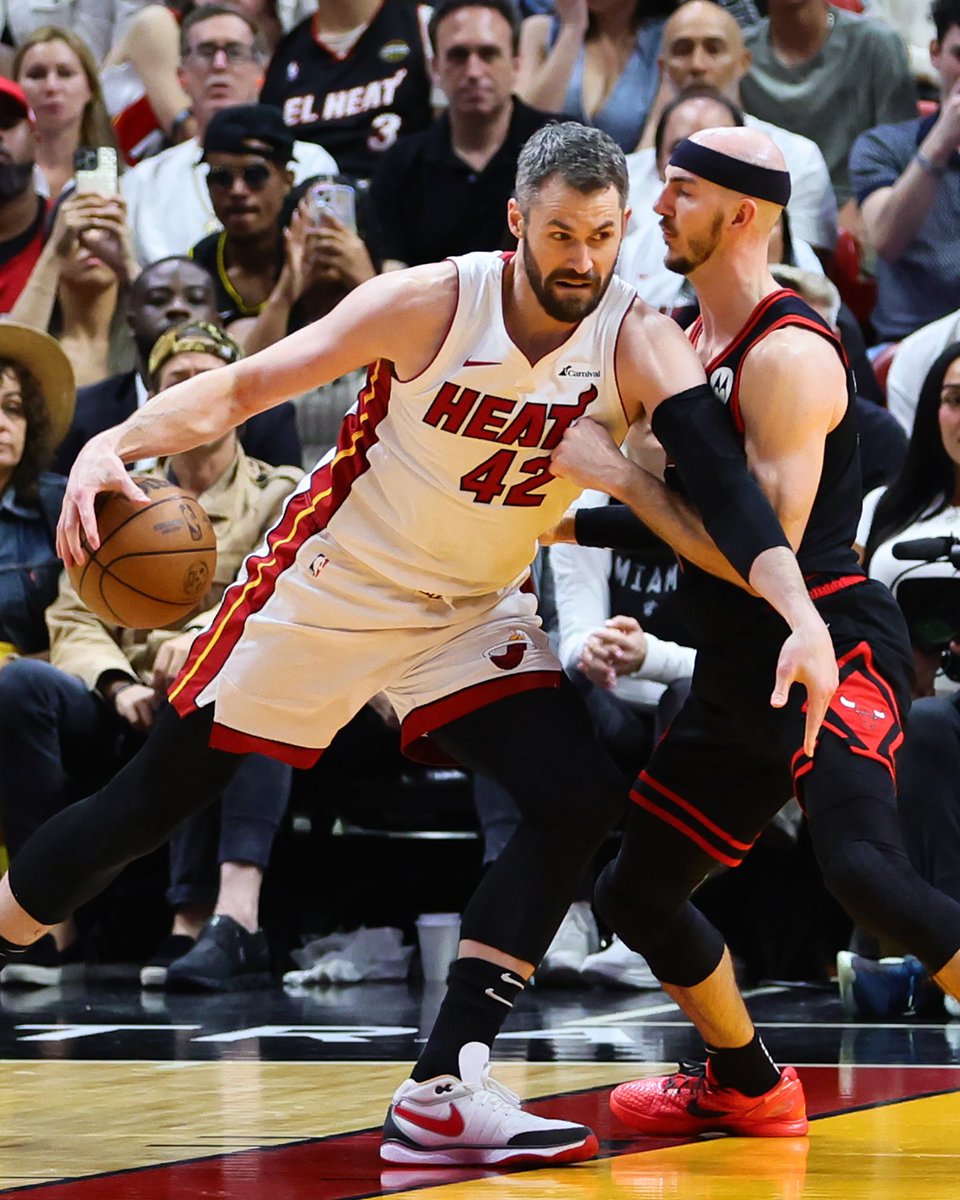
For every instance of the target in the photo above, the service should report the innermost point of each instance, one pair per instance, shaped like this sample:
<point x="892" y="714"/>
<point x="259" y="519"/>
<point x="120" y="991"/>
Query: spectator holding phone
<point x="58" y="74"/>
<point x="77" y="290"/>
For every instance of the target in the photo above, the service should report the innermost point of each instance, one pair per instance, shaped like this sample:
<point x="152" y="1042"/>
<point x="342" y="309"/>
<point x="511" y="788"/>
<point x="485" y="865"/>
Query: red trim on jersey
<point x="222" y="737"/>
<point x="681" y="826"/>
<point x="705" y="821"/>
<point x="693" y="333"/>
<point x="836" y="585"/>
<point x="747" y="327"/>
<point x="305" y="513"/>
<point x="422" y="721"/>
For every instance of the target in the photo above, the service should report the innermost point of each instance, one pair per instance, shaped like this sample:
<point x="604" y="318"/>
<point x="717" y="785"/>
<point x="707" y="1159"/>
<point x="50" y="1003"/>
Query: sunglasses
<point x="254" y="176"/>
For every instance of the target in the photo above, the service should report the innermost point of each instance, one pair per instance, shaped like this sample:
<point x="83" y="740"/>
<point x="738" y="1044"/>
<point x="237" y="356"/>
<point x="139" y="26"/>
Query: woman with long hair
<point x="78" y="289"/>
<point x="595" y="60"/>
<point x="59" y="77"/>
<point x="923" y="501"/>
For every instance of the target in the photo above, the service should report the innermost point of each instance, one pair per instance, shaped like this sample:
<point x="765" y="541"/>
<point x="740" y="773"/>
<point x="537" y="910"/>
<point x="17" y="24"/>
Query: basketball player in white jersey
<point x="400" y="566"/>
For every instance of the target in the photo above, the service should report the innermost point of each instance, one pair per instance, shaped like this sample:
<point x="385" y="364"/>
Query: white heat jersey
<point x="450" y="479"/>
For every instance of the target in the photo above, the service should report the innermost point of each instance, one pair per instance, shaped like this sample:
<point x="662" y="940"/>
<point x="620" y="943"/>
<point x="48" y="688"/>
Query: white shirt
<point x="168" y="207"/>
<point x="581" y="578"/>
<point x="455" y="486"/>
<point x="98" y="22"/>
<point x="914" y="357"/>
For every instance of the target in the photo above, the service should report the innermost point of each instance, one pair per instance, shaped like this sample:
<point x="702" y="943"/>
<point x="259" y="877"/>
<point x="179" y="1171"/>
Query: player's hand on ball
<point x="588" y="456"/>
<point x="169" y="662"/>
<point x="98" y="468"/>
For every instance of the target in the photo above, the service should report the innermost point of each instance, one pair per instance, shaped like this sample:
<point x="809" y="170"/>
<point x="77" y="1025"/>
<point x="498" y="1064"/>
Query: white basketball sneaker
<point x="576" y="938"/>
<point x="447" y="1121"/>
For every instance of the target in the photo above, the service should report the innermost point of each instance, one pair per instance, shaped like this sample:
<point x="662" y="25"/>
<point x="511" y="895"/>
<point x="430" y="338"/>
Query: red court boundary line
<point x="301" y="1174"/>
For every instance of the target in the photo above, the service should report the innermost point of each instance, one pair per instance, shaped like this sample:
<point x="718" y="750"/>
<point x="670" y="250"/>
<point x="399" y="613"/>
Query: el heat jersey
<point x="358" y="104"/>
<point x="442" y="484"/>
<point x="715" y="609"/>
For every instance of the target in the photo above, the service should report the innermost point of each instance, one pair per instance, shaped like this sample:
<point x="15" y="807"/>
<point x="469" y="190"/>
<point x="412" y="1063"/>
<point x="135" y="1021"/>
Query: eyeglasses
<point x="236" y="53"/>
<point x="254" y="177"/>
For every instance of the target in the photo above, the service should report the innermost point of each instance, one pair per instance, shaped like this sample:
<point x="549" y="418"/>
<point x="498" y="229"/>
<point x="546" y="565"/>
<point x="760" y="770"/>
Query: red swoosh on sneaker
<point x="451" y="1126"/>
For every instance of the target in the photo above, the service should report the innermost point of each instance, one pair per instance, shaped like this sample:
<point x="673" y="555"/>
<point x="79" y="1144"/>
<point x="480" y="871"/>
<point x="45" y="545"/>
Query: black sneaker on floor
<point x="43" y="965"/>
<point x="225" y="958"/>
<point x="154" y="973"/>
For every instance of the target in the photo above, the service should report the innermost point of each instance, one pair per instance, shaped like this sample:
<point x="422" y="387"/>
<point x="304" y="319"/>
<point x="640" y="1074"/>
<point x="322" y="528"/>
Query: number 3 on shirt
<point x="386" y="128"/>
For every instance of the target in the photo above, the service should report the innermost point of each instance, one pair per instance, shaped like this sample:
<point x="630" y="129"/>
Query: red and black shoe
<point x="691" y="1102"/>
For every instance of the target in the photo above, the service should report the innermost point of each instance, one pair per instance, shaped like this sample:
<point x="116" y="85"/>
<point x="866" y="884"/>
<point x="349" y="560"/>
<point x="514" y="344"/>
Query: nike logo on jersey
<point x="481" y="362"/>
<point x="451" y="1126"/>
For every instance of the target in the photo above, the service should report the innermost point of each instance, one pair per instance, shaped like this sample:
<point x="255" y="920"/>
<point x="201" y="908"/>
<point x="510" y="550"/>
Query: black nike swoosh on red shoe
<point x="695" y="1110"/>
<point x="451" y="1126"/>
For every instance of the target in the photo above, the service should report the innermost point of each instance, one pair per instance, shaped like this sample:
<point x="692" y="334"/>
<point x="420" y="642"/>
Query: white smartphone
<point x="95" y="169"/>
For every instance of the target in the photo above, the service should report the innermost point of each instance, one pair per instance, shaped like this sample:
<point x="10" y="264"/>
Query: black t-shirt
<point x="209" y="253"/>
<point x="431" y="204"/>
<point x="356" y="106"/>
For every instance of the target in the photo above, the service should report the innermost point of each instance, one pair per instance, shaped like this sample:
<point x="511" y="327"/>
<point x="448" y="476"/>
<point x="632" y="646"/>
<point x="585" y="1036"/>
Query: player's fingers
<point x="816" y="712"/>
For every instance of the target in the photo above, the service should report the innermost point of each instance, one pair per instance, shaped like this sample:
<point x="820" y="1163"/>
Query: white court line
<point x="655" y="1010"/>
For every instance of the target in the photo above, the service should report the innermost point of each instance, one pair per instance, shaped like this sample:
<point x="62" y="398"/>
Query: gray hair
<point x="584" y="158"/>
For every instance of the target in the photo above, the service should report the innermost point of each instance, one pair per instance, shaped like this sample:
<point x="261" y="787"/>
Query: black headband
<point x="764" y="183"/>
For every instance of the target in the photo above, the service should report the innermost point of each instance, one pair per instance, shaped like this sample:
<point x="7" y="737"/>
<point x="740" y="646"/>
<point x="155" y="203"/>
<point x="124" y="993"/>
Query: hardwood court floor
<point x="107" y="1093"/>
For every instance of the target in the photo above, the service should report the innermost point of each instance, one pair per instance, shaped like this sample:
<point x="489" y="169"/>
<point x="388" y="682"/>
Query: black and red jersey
<point x="716" y="608"/>
<point x="358" y="104"/>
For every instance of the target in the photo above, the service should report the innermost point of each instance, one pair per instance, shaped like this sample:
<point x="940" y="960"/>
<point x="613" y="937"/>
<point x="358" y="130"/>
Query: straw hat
<point x="44" y="358"/>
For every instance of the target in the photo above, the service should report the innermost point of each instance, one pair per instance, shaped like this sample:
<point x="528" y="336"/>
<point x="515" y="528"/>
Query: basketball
<point x="156" y="561"/>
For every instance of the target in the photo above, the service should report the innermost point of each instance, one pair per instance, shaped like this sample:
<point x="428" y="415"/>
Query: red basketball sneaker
<point x="691" y="1102"/>
<point x="473" y="1120"/>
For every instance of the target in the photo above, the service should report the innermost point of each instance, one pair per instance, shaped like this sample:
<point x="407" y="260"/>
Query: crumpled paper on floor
<point x="366" y="955"/>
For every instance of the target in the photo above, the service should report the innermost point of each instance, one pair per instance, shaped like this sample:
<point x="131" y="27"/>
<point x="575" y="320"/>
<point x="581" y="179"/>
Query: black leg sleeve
<point x="79" y="851"/>
<point x="541" y="748"/>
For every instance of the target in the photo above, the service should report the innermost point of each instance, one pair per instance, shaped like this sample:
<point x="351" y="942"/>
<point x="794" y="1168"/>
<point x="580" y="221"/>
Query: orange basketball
<point x="156" y="561"/>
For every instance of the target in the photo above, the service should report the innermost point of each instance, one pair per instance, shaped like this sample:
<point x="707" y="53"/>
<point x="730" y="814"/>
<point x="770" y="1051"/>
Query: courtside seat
<point x="881" y="365"/>
<point x="857" y="291"/>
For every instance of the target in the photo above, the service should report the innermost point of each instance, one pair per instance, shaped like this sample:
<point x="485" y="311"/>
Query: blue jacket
<point x="29" y="567"/>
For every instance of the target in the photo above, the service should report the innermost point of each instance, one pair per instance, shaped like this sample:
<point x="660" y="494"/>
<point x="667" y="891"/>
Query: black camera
<point x="931" y="607"/>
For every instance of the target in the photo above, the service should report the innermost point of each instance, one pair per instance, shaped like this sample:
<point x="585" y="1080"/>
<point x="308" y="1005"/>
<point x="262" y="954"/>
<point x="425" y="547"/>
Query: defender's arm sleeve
<point x="697" y="435"/>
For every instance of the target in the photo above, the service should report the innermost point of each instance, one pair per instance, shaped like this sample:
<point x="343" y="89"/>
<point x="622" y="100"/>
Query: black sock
<point x="748" y="1069"/>
<point x="479" y="997"/>
<point x="9" y="950"/>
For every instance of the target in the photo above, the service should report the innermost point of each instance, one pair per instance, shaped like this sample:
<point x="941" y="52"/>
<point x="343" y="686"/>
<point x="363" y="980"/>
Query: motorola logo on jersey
<point x="572" y="372"/>
<point x="721" y="380"/>
<point x="509" y="655"/>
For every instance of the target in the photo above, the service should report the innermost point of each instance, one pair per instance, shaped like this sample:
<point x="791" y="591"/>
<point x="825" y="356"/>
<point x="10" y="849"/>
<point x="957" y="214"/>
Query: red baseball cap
<point x="15" y="92"/>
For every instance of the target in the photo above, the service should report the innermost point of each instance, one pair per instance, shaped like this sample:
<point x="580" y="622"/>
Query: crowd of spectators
<point x="184" y="183"/>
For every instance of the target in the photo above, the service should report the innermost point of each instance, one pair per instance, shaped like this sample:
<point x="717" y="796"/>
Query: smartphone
<point x="95" y="169"/>
<point x="338" y="199"/>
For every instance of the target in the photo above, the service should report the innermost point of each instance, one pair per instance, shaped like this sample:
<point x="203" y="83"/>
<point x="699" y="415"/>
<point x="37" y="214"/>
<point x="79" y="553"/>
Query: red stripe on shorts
<point x="305" y="513"/>
<point x="647" y="778"/>
<point x="233" y="741"/>
<point x="682" y="827"/>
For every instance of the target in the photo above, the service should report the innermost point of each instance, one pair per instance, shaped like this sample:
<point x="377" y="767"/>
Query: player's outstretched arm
<point x="401" y="317"/>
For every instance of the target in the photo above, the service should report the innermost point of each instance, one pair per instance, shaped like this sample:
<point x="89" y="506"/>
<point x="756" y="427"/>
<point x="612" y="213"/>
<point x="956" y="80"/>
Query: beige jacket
<point x="243" y="504"/>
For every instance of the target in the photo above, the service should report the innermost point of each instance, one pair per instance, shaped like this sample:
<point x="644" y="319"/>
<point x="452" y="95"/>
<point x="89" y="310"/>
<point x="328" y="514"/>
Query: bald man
<point x="703" y="44"/>
<point x="728" y="763"/>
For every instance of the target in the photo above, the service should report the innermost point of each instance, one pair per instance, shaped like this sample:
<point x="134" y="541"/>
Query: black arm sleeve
<point x="616" y="527"/>
<point x="697" y="435"/>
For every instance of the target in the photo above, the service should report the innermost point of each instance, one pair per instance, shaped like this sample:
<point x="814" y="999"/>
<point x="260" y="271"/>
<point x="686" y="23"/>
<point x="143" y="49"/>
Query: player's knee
<point x="861" y="876"/>
<point x="628" y="901"/>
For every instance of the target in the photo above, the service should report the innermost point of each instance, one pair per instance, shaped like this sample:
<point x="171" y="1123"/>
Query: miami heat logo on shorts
<point x="509" y="655"/>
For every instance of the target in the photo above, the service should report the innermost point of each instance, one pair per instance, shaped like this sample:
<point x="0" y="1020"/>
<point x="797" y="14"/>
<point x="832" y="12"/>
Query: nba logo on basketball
<point x="509" y="654"/>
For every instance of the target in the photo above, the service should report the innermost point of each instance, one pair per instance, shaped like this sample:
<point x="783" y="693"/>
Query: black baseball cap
<point x="250" y="129"/>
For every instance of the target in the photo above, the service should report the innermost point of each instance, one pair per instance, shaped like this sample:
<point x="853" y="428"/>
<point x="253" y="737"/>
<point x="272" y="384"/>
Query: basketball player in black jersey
<point x="729" y="761"/>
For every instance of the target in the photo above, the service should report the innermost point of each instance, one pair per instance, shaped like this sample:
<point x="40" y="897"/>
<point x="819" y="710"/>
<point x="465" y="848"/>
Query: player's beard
<point x="698" y="250"/>
<point x="568" y="307"/>
<point x="15" y="178"/>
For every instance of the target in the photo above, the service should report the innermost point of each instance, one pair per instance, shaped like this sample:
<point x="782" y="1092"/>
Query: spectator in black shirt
<point x="444" y="191"/>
